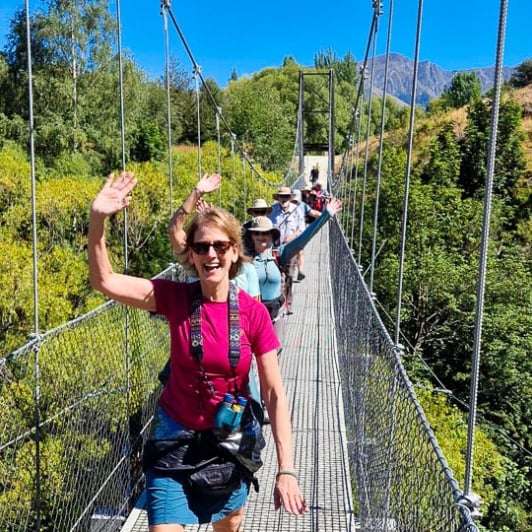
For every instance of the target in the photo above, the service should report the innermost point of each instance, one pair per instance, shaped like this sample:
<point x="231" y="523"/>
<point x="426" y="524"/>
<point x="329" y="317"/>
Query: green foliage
<point x="509" y="159"/>
<point x="495" y="478"/>
<point x="344" y="69"/>
<point x="256" y="109"/>
<point x="147" y="143"/>
<point x="444" y="158"/>
<point x="522" y="76"/>
<point x="465" y="89"/>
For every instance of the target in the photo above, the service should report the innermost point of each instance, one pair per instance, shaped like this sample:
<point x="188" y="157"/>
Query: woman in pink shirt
<point x="204" y="314"/>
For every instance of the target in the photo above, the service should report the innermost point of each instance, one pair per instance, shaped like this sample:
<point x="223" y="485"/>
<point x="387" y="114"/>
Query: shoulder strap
<point x="196" y="339"/>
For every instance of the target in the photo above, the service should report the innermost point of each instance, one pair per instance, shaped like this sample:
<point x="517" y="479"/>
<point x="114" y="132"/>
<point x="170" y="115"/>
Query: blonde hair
<point x="222" y="220"/>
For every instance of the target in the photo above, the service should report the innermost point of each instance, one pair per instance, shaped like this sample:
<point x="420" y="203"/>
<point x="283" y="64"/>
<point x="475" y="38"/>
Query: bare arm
<point x="126" y="289"/>
<point x="177" y="222"/>
<point x="287" y="492"/>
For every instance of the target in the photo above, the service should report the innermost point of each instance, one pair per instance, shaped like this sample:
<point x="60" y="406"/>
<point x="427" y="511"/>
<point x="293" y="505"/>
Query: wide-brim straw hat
<point x="283" y="191"/>
<point x="262" y="224"/>
<point x="260" y="204"/>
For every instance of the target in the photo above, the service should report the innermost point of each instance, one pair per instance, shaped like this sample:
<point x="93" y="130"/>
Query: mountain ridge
<point x="432" y="79"/>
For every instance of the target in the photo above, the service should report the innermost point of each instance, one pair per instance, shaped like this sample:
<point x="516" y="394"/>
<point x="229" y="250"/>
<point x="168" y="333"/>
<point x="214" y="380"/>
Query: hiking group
<point x="226" y="331"/>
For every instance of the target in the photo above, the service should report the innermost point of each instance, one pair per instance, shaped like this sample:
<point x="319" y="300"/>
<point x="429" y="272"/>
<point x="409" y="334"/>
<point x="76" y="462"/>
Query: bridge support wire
<point x="402" y="479"/>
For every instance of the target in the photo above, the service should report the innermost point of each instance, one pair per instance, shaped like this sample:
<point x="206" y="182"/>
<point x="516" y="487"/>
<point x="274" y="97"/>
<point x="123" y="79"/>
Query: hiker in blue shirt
<point x="269" y="261"/>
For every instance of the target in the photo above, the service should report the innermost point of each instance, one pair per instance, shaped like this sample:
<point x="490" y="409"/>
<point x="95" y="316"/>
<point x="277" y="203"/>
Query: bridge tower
<point x="326" y="110"/>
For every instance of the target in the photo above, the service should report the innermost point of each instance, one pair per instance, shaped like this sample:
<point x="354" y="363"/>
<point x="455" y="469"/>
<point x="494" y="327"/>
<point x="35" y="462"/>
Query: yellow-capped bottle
<point x="238" y="408"/>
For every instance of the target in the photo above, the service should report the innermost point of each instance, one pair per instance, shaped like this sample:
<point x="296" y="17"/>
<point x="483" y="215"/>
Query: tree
<point x="345" y="69"/>
<point x="509" y="162"/>
<point x="522" y="76"/>
<point x="261" y="121"/>
<point x="443" y="166"/>
<point x="465" y="88"/>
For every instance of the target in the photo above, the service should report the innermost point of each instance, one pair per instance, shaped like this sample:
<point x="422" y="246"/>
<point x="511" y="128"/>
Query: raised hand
<point x="208" y="183"/>
<point x="202" y="205"/>
<point x="115" y="194"/>
<point x="334" y="205"/>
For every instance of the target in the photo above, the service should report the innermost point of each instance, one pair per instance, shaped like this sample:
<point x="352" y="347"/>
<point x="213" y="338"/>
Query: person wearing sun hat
<point x="288" y="219"/>
<point x="259" y="207"/>
<point x="269" y="261"/>
<point x="307" y="216"/>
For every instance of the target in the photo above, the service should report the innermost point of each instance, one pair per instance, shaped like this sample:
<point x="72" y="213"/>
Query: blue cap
<point x="242" y="401"/>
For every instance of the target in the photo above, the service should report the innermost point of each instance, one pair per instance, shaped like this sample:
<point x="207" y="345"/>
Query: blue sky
<point x="456" y="35"/>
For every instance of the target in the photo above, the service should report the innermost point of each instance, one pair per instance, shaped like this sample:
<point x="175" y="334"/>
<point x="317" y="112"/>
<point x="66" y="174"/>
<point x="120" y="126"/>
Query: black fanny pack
<point x="211" y="464"/>
<point x="274" y="306"/>
<point x="197" y="460"/>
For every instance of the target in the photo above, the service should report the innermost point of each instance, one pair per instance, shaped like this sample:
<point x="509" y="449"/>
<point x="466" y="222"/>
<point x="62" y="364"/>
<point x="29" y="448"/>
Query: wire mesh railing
<point x="403" y="482"/>
<point x="77" y="462"/>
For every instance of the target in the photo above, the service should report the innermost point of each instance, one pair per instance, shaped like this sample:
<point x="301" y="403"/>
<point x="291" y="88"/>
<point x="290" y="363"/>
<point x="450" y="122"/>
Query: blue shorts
<point x="170" y="499"/>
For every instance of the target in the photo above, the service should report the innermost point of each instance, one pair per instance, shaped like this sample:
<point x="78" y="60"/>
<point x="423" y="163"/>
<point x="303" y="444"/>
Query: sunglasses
<point x="220" y="247"/>
<point x="282" y="197"/>
<point x="259" y="212"/>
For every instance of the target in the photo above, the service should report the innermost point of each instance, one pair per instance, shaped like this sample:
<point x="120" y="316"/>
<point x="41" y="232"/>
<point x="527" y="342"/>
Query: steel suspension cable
<point x="381" y="146"/>
<point x="37" y="372"/>
<point x="127" y="352"/>
<point x="361" y="82"/>
<point x="218" y="151"/>
<point x="164" y="6"/>
<point x="233" y="165"/>
<point x="355" y="187"/>
<point x="366" y="153"/>
<point x="481" y="284"/>
<point x="244" y="178"/>
<point x="197" y="71"/>
<point x="404" y="217"/>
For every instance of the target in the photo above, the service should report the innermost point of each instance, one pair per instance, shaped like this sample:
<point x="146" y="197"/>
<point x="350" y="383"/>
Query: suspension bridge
<point x="367" y="457"/>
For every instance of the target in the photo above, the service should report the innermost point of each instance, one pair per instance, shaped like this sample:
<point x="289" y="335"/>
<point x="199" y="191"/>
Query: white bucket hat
<point x="259" y="204"/>
<point x="283" y="191"/>
<point x="262" y="224"/>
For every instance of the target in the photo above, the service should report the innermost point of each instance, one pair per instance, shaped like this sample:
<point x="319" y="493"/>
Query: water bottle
<point x="224" y="418"/>
<point x="238" y="409"/>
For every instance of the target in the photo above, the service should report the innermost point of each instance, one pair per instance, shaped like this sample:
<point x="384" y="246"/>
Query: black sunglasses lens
<point x="202" y="248"/>
<point x="221" y="247"/>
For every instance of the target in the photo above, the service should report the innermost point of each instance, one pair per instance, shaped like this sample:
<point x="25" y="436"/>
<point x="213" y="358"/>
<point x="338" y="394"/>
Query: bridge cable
<point x="233" y="166"/>
<point x="381" y="146"/>
<point x="481" y="284"/>
<point x="127" y="310"/>
<point x="360" y="84"/>
<point x="357" y="161"/>
<point x="36" y="349"/>
<point x="219" y="152"/>
<point x="197" y="72"/>
<point x="366" y="154"/>
<point x="407" y="173"/>
<point x="168" y="104"/>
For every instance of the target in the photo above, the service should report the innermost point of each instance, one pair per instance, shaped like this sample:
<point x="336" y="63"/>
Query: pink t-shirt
<point x="186" y="397"/>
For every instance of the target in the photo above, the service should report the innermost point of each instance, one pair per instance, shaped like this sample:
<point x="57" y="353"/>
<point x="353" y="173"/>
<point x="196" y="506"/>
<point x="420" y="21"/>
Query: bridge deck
<point x="310" y="373"/>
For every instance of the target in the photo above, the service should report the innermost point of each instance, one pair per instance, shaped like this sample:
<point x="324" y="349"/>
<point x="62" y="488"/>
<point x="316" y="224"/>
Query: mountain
<point x="432" y="79"/>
